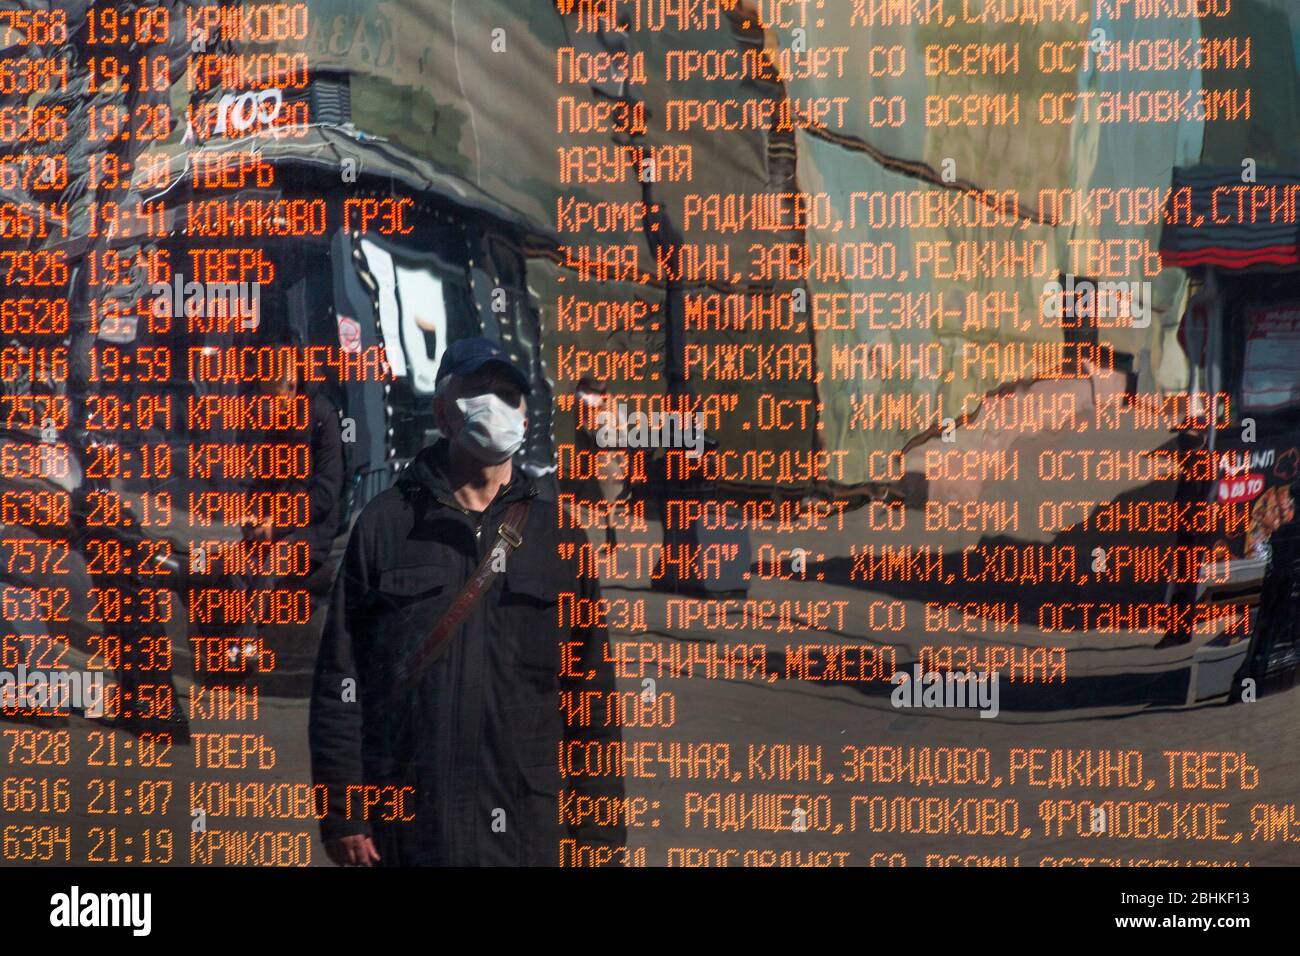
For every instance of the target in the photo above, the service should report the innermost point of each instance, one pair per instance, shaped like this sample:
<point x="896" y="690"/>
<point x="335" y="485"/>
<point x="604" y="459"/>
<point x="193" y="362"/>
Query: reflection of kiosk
<point x="1241" y="333"/>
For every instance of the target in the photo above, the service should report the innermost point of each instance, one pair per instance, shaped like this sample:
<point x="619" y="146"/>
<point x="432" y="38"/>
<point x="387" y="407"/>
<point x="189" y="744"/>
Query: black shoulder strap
<point x="509" y="535"/>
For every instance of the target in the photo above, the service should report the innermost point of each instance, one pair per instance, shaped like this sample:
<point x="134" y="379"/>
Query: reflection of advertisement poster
<point x="380" y="263"/>
<point x="1262" y="480"/>
<point x="412" y="317"/>
<point x="424" y="324"/>
<point x="1271" y="371"/>
<point x="1241" y="489"/>
<point x="1271" y="510"/>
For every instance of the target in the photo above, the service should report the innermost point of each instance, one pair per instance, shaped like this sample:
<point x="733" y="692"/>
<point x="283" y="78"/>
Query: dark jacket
<point x="479" y="737"/>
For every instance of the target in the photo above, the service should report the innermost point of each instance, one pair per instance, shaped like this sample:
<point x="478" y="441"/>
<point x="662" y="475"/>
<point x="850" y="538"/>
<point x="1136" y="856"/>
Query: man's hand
<point x="357" y="850"/>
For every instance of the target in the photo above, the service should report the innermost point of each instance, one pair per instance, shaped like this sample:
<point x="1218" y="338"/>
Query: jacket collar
<point x="429" y="470"/>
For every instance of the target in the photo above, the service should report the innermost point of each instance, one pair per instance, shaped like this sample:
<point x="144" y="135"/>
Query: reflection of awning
<point x="1234" y="224"/>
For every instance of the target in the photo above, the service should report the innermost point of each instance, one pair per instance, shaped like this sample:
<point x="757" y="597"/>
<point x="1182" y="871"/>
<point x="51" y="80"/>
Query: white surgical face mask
<point x="492" y="430"/>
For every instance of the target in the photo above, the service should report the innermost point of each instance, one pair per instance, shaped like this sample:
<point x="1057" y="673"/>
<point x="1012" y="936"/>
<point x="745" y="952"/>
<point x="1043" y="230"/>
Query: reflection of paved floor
<point x="838" y="724"/>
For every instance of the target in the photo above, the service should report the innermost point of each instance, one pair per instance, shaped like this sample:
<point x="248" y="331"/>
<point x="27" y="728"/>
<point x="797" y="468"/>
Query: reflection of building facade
<point x="429" y="195"/>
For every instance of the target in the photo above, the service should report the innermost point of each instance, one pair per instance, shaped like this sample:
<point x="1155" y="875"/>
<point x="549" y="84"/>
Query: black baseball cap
<point x="466" y="356"/>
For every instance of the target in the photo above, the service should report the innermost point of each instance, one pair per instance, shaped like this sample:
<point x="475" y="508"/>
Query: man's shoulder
<point x="323" y="410"/>
<point x="391" y="506"/>
<point x="558" y="518"/>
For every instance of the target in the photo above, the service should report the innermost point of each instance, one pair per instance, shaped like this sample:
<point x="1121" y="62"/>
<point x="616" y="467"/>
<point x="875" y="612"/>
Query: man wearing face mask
<point x="436" y="729"/>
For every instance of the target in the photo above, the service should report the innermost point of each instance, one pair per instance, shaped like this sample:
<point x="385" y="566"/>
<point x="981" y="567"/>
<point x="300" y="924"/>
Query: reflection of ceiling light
<point x="425" y="323"/>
